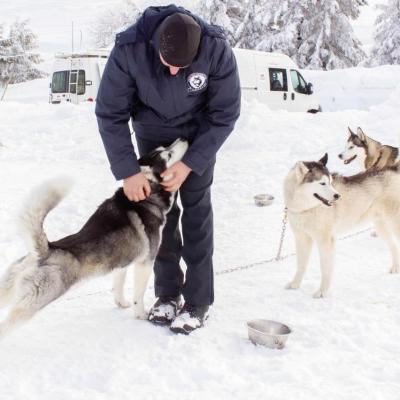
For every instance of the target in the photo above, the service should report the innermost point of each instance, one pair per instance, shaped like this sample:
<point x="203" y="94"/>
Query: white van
<point x="76" y="77"/>
<point x="274" y="79"/>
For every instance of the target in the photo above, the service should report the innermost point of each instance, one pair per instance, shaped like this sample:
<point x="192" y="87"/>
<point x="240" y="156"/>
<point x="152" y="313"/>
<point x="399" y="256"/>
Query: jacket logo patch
<point x="196" y="81"/>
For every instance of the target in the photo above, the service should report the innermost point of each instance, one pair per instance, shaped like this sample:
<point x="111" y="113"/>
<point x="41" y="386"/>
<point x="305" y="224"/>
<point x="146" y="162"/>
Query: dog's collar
<point x="378" y="159"/>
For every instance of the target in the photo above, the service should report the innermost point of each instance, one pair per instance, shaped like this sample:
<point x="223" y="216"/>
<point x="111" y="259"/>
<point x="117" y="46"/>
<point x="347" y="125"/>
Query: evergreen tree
<point x="112" y="21"/>
<point x="387" y="35"/>
<point x="229" y="14"/>
<point x="5" y="58"/>
<point x="317" y="34"/>
<point x="23" y="42"/>
<point x="326" y="39"/>
<point x="314" y="33"/>
<point x="17" y="61"/>
<point x="246" y="23"/>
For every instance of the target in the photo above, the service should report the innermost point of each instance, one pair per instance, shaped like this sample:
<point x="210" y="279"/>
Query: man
<point x="174" y="76"/>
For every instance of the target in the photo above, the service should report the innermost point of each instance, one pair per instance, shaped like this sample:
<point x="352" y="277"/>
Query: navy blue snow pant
<point x="198" y="242"/>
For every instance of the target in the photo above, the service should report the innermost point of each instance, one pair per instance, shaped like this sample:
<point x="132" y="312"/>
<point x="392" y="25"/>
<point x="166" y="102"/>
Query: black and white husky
<point x="118" y="233"/>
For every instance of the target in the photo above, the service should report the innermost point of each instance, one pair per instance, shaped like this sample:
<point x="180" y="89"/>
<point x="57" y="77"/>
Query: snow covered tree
<point x="225" y="13"/>
<point x="4" y="57"/>
<point x="17" y="61"/>
<point x="245" y="23"/>
<point x="326" y="39"/>
<point x="387" y="35"/>
<point x="23" y="42"/>
<point x="113" y="21"/>
<point x="315" y="33"/>
<point x="260" y="21"/>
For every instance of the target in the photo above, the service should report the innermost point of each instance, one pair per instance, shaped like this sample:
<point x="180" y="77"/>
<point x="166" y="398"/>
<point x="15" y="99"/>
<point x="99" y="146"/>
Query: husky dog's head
<point x="356" y="147"/>
<point x="157" y="161"/>
<point x="309" y="184"/>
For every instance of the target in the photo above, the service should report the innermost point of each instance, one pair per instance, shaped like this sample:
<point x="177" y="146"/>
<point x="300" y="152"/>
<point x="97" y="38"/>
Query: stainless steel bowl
<point x="268" y="333"/>
<point x="262" y="200"/>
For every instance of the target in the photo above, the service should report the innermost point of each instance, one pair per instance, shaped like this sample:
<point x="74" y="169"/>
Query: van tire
<point x="314" y="111"/>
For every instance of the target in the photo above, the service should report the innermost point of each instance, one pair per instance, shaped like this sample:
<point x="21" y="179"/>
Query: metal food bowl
<point x="262" y="200"/>
<point x="268" y="333"/>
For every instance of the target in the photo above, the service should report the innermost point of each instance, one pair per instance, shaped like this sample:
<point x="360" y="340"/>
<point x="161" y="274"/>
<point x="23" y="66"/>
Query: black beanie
<point x="179" y="39"/>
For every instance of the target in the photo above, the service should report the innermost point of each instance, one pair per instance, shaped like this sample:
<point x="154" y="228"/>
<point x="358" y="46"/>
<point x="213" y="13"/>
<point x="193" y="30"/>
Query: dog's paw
<point x="139" y="312"/>
<point x="319" y="294"/>
<point x="141" y="315"/>
<point x="122" y="303"/>
<point x="292" y="285"/>
<point x="394" y="269"/>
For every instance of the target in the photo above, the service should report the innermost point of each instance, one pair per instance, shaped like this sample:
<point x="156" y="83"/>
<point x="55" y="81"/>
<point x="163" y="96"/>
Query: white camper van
<point x="271" y="78"/>
<point x="274" y="79"/>
<point x="76" y="77"/>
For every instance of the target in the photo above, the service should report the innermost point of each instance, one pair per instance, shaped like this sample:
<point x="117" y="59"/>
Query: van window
<point x="59" y="82"/>
<point x="61" y="79"/>
<point x="80" y="77"/>
<point x="298" y="82"/>
<point x="278" y="80"/>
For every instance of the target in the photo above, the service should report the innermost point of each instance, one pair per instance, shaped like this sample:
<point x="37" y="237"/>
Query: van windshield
<point x="61" y="81"/>
<point x="299" y="83"/>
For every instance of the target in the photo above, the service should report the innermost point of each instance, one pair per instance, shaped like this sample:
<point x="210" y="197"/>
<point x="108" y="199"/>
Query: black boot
<point x="189" y="318"/>
<point x="164" y="310"/>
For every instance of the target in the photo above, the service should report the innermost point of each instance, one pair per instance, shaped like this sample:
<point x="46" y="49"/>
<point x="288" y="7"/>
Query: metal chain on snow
<point x="277" y="258"/>
<point x="284" y="224"/>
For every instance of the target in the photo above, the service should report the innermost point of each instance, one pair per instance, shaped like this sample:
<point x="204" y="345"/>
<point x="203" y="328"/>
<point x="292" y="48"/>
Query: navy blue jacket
<point x="200" y="103"/>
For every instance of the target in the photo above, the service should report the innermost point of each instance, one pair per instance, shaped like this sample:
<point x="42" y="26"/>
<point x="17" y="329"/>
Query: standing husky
<point x="322" y="206"/>
<point x="118" y="233"/>
<point x="367" y="152"/>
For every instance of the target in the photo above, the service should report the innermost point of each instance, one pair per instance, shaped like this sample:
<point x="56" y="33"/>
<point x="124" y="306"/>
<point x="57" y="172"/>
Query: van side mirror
<point x="50" y="85"/>
<point x="309" y="88"/>
<point x="88" y="83"/>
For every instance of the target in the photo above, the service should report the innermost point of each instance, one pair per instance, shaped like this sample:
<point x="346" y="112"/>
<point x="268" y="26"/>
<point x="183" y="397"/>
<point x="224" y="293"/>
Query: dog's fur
<point x="118" y="233"/>
<point x="367" y="152"/>
<point x="322" y="206"/>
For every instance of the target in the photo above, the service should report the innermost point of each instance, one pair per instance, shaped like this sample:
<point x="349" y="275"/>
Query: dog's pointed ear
<point x="324" y="160"/>
<point x="361" y="134"/>
<point x="300" y="169"/>
<point x="351" y="133"/>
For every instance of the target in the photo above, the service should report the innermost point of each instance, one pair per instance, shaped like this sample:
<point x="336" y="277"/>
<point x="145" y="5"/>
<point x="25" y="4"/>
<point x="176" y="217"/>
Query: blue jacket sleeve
<point x="113" y="109"/>
<point x="223" y="109"/>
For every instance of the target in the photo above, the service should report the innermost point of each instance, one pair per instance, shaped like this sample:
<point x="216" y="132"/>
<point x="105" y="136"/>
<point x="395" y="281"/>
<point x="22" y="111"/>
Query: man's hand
<point x="137" y="187"/>
<point x="175" y="175"/>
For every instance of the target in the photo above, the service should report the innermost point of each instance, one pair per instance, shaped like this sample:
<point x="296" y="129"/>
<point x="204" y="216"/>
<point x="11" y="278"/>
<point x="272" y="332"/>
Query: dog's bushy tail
<point x="40" y="202"/>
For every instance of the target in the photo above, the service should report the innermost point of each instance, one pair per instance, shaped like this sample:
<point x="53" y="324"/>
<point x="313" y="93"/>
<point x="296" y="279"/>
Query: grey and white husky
<point x="118" y="233"/>
<point x="367" y="152"/>
<point x="322" y="206"/>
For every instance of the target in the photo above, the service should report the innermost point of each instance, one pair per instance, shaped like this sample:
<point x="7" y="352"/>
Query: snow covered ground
<point x="82" y="347"/>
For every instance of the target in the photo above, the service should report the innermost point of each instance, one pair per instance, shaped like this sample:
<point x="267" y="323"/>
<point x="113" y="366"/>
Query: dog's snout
<point x="340" y="155"/>
<point x="336" y="196"/>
